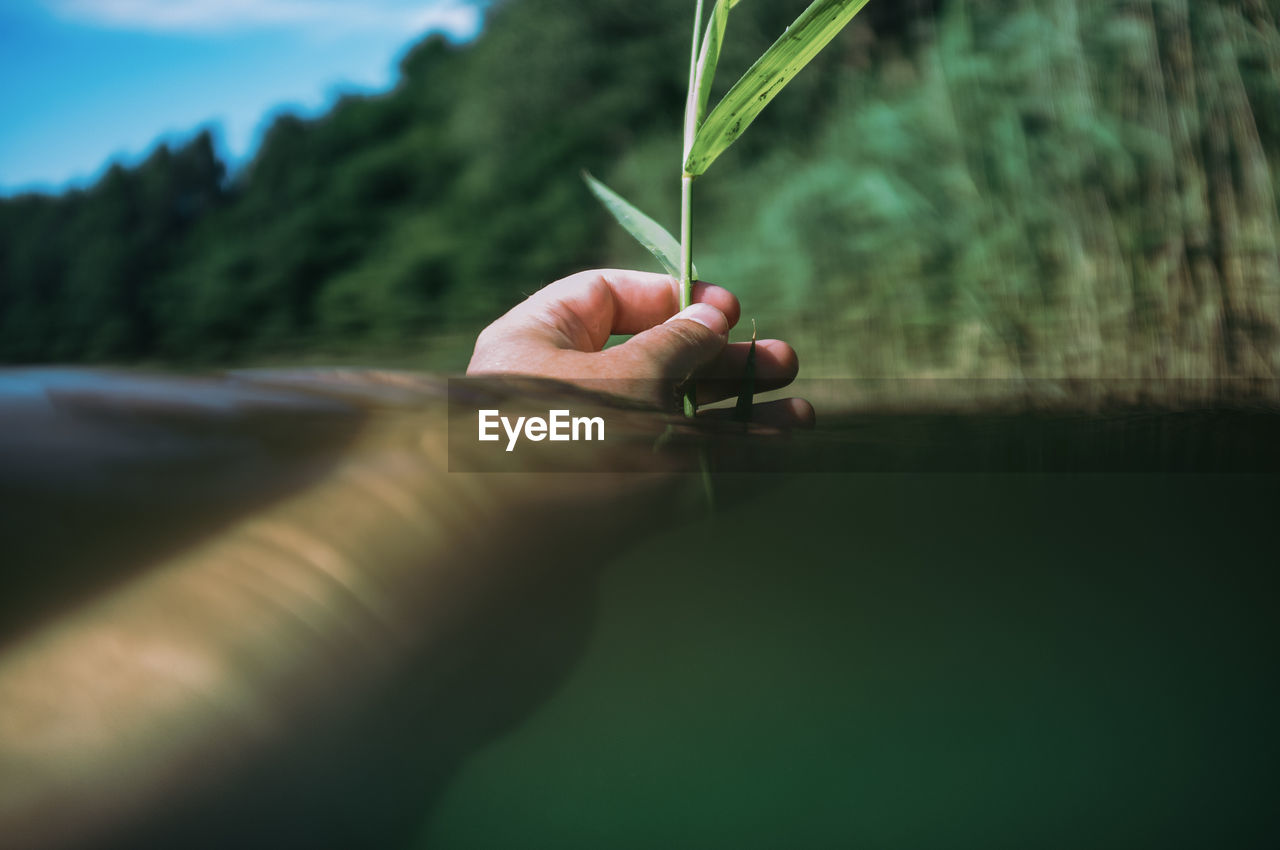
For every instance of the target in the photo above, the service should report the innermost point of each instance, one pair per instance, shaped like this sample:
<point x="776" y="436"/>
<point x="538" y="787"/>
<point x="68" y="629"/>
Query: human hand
<point x="560" y="331"/>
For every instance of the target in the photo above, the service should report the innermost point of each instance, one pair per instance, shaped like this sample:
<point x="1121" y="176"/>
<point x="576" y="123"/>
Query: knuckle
<point x="690" y="334"/>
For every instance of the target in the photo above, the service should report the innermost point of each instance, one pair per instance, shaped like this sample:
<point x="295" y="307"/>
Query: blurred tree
<point x="80" y="269"/>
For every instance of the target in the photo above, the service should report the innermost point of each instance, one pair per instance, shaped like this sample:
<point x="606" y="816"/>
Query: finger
<point x="643" y="300"/>
<point x="675" y="349"/>
<point x="785" y="413"/>
<point x="584" y="309"/>
<point x="717" y="296"/>
<point x="777" y="365"/>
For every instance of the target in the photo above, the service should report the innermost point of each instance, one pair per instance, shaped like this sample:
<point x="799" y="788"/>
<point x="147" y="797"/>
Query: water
<point x="1021" y="630"/>
<point x="914" y="660"/>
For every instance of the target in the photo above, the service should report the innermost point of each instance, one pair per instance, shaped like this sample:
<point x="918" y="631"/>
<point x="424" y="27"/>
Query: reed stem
<point x="686" y="187"/>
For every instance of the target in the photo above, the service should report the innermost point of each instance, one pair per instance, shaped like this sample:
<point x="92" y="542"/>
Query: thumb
<point x="675" y="349"/>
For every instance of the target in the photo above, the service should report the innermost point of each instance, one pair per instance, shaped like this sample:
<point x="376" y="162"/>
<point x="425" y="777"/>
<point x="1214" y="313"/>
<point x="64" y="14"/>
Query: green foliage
<point x="1056" y="189"/>
<point x="1025" y="187"/>
<point x="793" y="50"/>
<point x="77" y="273"/>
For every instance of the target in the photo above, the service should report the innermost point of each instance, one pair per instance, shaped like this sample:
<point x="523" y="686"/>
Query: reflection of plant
<point x="706" y="136"/>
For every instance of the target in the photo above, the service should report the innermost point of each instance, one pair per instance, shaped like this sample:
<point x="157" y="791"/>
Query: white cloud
<point x="456" y="17"/>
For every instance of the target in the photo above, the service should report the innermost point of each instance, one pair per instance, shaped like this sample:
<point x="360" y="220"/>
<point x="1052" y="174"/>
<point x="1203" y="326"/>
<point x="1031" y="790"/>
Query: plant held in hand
<point x="706" y="136"/>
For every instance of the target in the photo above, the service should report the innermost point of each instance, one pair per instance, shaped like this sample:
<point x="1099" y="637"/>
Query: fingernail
<point x="705" y="315"/>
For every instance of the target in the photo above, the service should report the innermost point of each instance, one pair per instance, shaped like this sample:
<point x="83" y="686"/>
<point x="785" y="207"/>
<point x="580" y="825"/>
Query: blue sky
<point x="88" y="82"/>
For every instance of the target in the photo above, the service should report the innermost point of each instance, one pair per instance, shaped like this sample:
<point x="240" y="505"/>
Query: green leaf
<point x="710" y="55"/>
<point x="802" y="41"/>
<point x="746" y="394"/>
<point x="647" y="232"/>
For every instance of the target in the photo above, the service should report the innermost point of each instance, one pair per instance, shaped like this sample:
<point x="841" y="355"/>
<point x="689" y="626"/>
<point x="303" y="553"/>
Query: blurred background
<point x="956" y="188"/>
<point x="978" y="192"/>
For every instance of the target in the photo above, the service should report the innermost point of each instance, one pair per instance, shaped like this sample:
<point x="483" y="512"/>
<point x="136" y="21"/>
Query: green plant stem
<point x="686" y="267"/>
<point x="686" y="187"/>
<point x="686" y="241"/>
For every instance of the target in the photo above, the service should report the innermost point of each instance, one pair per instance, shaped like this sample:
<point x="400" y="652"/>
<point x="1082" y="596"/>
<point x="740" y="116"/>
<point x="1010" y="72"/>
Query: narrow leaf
<point x="647" y="232"/>
<point x="710" y="55"/>
<point x="802" y="41"/>
<point x="746" y="395"/>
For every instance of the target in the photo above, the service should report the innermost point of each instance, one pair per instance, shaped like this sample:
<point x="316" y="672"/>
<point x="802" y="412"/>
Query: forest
<point x="1066" y="189"/>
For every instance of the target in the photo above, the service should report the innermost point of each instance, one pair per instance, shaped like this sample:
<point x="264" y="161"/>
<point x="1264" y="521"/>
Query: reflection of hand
<point x="560" y="333"/>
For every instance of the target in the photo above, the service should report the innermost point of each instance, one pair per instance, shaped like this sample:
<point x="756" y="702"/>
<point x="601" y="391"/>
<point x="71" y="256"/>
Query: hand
<point x="560" y="333"/>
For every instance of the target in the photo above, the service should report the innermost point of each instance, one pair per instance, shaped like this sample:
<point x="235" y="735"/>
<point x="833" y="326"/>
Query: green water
<point x="913" y="661"/>
<point x="973" y="658"/>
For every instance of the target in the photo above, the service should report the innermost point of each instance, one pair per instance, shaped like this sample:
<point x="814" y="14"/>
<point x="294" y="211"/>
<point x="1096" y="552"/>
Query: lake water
<point x="916" y="631"/>
<point x="915" y="660"/>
